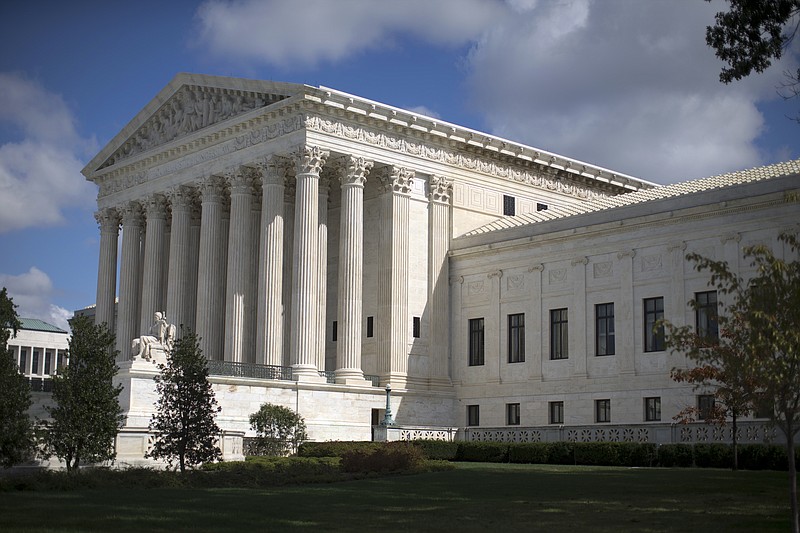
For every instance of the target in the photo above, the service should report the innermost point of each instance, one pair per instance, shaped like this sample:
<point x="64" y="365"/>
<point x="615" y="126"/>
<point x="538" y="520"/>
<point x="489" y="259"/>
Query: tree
<point x="16" y="430"/>
<point x="753" y="33"/>
<point x="87" y="416"/>
<point x="184" y="422"/>
<point x="279" y="429"/>
<point x="758" y="358"/>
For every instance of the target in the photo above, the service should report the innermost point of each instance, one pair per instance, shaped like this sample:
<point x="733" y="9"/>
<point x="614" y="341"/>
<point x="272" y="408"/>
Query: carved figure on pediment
<point x="188" y="119"/>
<point x="154" y="346"/>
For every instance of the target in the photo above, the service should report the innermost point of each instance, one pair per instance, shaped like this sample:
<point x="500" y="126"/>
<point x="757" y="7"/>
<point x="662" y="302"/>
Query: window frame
<point x="654" y="337"/>
<point x="509" y="206"/>
<point x="652" y="409"/>
<point x="473" y="415"/>
<point x="516" y="338"/>
<point x="602" y="411"/>
<point x="604" y="330"/>
<point x="705" y="314"/>
<point x="704" y="412"/>
<point x="370" y="327"/>
<point x="553" y="409"/>
<point x="512" y="414"/>
<point x="416" y="327"/>
<point x="559" y="329"/>
<point x="476" y="342"/>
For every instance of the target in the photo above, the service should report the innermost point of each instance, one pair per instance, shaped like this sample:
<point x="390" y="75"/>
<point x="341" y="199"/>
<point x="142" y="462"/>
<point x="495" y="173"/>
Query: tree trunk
<point x="792" y="477"/>
<point x="735" y="445"/>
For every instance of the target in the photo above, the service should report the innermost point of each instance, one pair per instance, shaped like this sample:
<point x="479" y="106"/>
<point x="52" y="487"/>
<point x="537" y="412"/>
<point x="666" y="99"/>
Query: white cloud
<point x="289" y="33"/>
<point x="626" y="85"/>
<point x="40" y="173"/>
<point x="31" y="293"/>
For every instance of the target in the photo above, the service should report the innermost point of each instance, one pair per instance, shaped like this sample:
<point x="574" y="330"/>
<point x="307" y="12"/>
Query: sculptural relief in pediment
<point x="190" y="109"/>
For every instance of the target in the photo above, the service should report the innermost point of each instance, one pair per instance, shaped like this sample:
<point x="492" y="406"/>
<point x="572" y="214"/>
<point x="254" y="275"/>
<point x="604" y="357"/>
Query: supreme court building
<point x="324" y="246"/>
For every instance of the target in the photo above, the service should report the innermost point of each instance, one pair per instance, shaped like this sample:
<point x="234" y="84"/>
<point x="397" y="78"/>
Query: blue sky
<point x="624" y="84"/>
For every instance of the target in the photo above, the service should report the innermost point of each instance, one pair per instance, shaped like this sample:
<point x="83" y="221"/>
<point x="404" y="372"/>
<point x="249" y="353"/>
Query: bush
<point x="335" y="448"/>
<point x="637" y="453"/>
<point x="596" y="454"/>
<point x="762" y="457"/>
<point x="437" y="449"/>
<point x="279" y="430"/>
<point x="483" y="452"/>
<point x="713" y="455"/>
<point x="562" y="453"/>
<point x="675" y="455"/>
<point x="530" y="452"/>
<point x="391" y="457"/>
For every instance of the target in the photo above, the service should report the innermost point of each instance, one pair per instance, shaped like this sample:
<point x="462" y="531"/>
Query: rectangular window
<point x="416" y="326"/>
<point x="604" y="329"/>
<point x="559" y="334"/>
<point x="652" y="409"/>
<point x="473" y="415"/>
<point x="335" y="331"/>
<point x="509" y="205"/>
<point x="705" y="406"/>
<point x="35" y="362"/>
<point x="475" y="341"/>
<point x="706" y="314"/>
<point x="48" y="356"/>
<point x="370" y="326"/>
<point x="512" y="414"/>
<point x="653" y="336"/>
<point x="602" y="410"/>
<point x="23" y="359"/>
<point x="556" y="412"/>
<point x="516" y="338"/>
<point x="541" y="207"/>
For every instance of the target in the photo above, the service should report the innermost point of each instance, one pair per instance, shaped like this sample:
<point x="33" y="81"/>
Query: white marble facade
<point x="304" y="228"/>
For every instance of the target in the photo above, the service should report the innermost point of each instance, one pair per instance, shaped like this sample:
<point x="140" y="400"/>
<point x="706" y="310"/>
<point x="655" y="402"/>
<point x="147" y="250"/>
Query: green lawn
<point x="473" y="497"/>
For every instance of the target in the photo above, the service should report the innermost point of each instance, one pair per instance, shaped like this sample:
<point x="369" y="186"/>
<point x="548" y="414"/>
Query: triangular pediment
<point x="189" y="103"/>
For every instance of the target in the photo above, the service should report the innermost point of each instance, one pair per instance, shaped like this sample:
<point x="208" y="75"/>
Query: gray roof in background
<point x="34" y="324"/>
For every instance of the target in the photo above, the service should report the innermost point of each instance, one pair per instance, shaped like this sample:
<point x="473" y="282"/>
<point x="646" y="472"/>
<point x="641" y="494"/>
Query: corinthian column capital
<point x="439" y="189"/>
<point x="241" y="180"/>
<point x="108" y="219"/>
<point x="212" y="189"/>
<point x="310" y="159"/>
<point x="397" y="179"/>
<point x="132" y="214"/>
<point x="182" y="198"/>
<point x="156" y="206"/>
<point x="355" y="170"/>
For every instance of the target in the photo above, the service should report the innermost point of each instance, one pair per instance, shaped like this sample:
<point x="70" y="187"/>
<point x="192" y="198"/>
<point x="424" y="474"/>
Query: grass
<point x="471" y="497"/>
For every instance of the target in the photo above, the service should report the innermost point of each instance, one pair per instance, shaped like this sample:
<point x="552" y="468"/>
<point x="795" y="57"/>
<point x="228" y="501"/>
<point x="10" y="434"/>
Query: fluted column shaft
<point x="152" y="273"/>
<point x="127" y="316"/>
<point x="322" y="269"/>
<point x="393" y="275"/>
<point x="238" y="294"/>
<point x="108" y="220"/>
<point x="179" y="271"/>
<point x="252" y="282"/>
<point x="438" y="276"/>
<point x="305" y="259"/>
<point x="269" y="334"/>
<point x="351" y="269"/>
<point x="210" y="269"/>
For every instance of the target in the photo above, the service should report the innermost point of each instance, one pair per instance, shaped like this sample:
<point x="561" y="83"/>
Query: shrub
<point x="390" y="457"/>
<point x="530" y="452"/>
<point x="762" y="457"/>
<point x="675" y="455"/>
<point x="562" y="453"/>
<point x="279" y="430"/>
<point x="713" y="455"/>
<point x="596" y="454"/>
<point x="483" y="452"/>
<point x="438" y="449"/>
<point x="335" y="448"/>
<point x="637" y="453"/>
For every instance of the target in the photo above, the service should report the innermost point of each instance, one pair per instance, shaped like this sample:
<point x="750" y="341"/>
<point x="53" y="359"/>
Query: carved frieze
<point x="557" y="275"/>
<point x="651" y="263"/>
<point x="603" y="269"/>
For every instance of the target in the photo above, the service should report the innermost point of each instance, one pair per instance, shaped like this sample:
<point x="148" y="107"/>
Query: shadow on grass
<point x="473" y="497"/>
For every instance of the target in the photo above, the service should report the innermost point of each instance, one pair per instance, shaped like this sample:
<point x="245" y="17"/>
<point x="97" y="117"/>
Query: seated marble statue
<point x="153" y="346"/>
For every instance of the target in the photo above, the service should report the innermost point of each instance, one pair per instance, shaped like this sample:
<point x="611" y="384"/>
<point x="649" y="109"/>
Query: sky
<point x="629" y="85"/>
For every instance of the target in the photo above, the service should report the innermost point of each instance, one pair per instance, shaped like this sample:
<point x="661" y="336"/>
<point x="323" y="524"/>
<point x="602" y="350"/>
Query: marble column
<point x="238" y="293"/>
<point x="108" y="219"/>
<point x="393" y="265"/>
<point x="127" y="316"/>
<point x="351" y="270"/>
<point x="288" y="272"/>
<point x="439" y="192"/>
<point x="252" y="282"/>
<point x="304" y="333"/>
<point x="322" y="266"/>
<point x="179" y="271"/>
<point x="269" y="327"/>
<point x="152" y="273"/>
<point x="194" y="264"/>
<point x="211" y="269"/>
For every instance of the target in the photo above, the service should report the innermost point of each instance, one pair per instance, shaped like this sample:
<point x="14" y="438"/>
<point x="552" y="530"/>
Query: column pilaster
<point x="583" y="333"/>
<point x="152" y="273"/>
<point x="309" y="161"/>
<point x="108" y="220"/>
<point x="211" y="269"/>
<point x="238" y="295"/>
<point x="439" y="191"/>
<point x="351" y="270"/>
<point x="179" y="272"/>
<point x="322" y="265"/>
<point x="624" y="316"/>
<point x="393" y="264"/>
<point x="127" y="316"/>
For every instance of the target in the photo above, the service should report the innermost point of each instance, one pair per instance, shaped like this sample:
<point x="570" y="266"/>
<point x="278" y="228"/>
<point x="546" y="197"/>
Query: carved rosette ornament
<point x="439" y="189"/>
